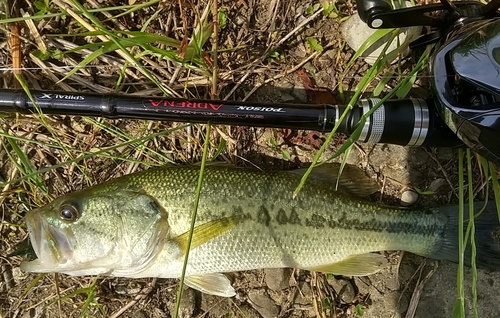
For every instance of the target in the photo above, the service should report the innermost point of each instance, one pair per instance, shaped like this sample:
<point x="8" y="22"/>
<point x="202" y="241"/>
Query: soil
<point x="292" y="71"/>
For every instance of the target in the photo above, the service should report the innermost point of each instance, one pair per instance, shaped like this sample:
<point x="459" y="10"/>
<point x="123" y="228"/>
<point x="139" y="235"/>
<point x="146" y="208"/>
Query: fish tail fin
<point x="487" y="237"/>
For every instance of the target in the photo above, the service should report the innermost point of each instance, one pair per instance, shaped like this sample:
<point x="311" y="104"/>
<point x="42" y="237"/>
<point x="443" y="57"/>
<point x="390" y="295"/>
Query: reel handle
<point x="378" y="14"/>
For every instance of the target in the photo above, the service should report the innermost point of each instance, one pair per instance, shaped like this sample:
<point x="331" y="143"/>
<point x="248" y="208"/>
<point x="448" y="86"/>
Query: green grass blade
<point x="31" y="285"/>
<point x="24" y="165"/>
<point x="40" y="116"/>
<point x="405" y="89"/>
<point x="376" y="36"/>
<point x="198" y="41"/>
<point x="355" y="135"/>
<point x="381" y="84"/>
<point x="90" y="153"/>
<point x="89" y="58"/>
<point x="220" y="149"/>
<point x="137" y="7"/>
<point x="60" y="14"/>
<point x="472" y="232"/>
<point x="136" y="38"/>
<point x="459" y="309"/>
<point x="193" y="218"/>
<point x="91" y="300"/>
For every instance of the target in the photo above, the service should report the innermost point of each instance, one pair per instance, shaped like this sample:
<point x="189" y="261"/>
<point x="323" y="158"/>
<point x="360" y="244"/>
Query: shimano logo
<point x="61" y="96"/>
<point x="261" y="109"/>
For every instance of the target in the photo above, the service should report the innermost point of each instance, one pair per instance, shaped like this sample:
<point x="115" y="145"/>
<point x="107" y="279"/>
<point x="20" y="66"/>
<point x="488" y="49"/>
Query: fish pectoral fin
<point x="355" y="265"/>
<point x="350" y="179"/>
<point x="204" y="233"/>
<point x="214" y="284"/>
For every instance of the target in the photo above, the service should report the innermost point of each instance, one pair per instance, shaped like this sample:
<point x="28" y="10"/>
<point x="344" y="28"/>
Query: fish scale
<point x="246" y="219"/>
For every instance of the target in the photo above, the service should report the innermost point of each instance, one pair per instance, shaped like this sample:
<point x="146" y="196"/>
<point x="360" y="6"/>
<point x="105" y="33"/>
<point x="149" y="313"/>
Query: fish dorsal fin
<point x="215" y="284"/>
<point x="204" y="233"/>
<point x="351" y="179"/>
<point x="354" y="265"/>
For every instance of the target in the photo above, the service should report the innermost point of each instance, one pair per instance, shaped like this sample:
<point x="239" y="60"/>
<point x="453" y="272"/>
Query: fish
<point x="138" y="225"/>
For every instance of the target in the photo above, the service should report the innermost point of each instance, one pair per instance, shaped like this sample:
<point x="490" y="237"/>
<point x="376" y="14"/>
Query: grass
<point x="193" y="218"/>
<point x="46" y="151"/>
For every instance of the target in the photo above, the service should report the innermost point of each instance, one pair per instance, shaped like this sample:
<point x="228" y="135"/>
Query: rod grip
<point x="406" y="122"/>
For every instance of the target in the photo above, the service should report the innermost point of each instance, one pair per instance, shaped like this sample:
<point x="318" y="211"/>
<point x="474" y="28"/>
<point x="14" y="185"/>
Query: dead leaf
<point x="316" y="95"/>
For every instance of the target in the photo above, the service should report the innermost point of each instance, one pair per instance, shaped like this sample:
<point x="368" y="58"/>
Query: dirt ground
<point x="291" y="71"/>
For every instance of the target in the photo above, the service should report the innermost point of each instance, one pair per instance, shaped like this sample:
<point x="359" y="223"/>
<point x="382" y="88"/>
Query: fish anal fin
<point x="205" y="232"/>
<point x="355" y="265"/>
<point x="214" y="284"/>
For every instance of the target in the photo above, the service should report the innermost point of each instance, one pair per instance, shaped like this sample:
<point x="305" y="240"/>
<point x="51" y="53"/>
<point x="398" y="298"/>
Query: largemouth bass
<point x="138" y="226"/>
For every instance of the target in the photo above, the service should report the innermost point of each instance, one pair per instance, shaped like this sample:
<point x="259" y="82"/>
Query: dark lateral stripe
<point x="411" y="226"/>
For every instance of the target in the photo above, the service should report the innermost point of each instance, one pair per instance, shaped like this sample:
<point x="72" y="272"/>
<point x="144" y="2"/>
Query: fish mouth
<point x="52" y="245"/>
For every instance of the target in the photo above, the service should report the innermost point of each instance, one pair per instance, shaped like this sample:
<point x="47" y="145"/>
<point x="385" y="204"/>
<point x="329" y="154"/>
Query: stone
<point x="277" y="278"/>
<point x="304" y="296"/>
<point x="188" y="302"/>
<point x="355" y="32"/>
<point x="445" y="154"/>
<point x="261" y="302"/>
<point x="301" y="94"/>
<point x="403" y="304"/>
<point x="439" y="294"/>
<point x="140" y="313"/>
<point x="343" y="288"/>
<point x="245" y="311"/>
<point x="215" y="305"/>
<point x="408" y="198"/>
<point x="436" y="184"/>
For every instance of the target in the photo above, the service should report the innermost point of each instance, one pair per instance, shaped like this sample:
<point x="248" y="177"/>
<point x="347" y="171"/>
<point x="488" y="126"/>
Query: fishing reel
<point x="465" y="64"/>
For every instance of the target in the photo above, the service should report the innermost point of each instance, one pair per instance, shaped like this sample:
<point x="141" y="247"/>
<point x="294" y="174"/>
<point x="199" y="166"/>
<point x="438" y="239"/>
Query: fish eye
<point x="68" y="212"/>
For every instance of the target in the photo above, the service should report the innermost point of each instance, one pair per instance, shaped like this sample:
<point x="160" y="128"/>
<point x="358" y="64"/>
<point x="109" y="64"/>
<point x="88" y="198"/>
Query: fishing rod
<point x="407" y="122"/>
<point x="464" y="107"/>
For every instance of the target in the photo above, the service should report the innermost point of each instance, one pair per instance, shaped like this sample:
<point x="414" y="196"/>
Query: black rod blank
<point x="404" y="122"/>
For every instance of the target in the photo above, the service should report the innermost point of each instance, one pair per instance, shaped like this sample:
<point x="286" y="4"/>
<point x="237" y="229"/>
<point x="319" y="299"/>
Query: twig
<point x="139" y="152"/>
<point x="143" y="294"/>
<point x="293" y="69"/>
<point x="108" y="15"/>
<point x="213" y="306"/>
<point x="296" y="29"/>
<point x="272" y="48"/>
<point x="271" y="19"/>
<point x="415" y="298"/>
<point x="382" y="189"/>
<point x="226" y="137"/>
<point x="433" y="156"/>
<point x="58" y="293"/>
<point x="55" y="171"/>
<point x="35" y="34"/>
<point x="111" y="60"/>
<point x="65" y="87"/>
<point x="15" y="43"/>
<point x="215" y="48"/>
<point x="243" y="79"/>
